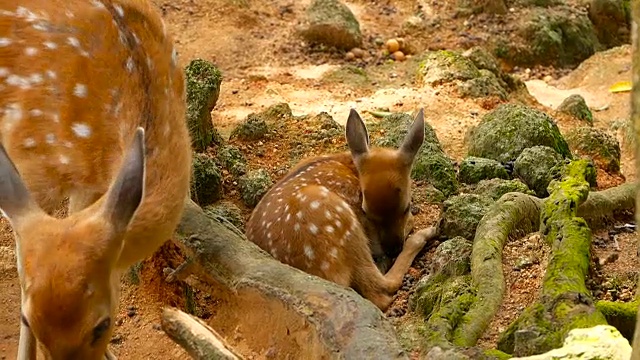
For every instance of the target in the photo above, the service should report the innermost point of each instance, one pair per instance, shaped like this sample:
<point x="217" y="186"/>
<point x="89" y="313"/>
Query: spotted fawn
<point x="330" y="213"/>
<point x="92" y="108"/>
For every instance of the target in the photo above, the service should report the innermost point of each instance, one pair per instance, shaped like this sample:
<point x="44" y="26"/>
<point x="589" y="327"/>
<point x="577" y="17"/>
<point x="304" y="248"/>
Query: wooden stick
<point x="195" y="336"/>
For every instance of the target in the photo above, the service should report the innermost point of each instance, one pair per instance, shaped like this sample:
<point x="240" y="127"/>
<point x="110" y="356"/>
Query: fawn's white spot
<point x="63" y="159"/>
<point x="18" y="81"/>
<point x="308" y="251"/>
<point x="5" y="42"/>
<point x="81" y="130"/>
<point x="327" y="214"/>
<point x="98" y="4"/>
<point x="329" y="229"/>
<point x="23" y="12"/>
<point x="50" y="139"/>
<point x="299" y="214"/>
<point x="12" y="114"/>
<point x="324" y="266"/>
<point x="67" y="144"/>
<point x="269" y="236"/>
<point x="35" y="112"/>
<point x="29" y="143"/>
<point x="296" y="227"/>
<point x="4" y="72"/>
<point x="269" y="224"/>
<point x="315" y="204"/>
<point x="50" y="45"/>
<point x="136" y="38"/>
<point x="130" y="64"/>
<point x="333" y="253"/>
<point x="119" y="10"/>
<point x="73" y="41"/>
<point x="35" y="79"/>
<point x="51" y="74"/>
<point x="338" y="224"/>
<point x="288" y="218"/>
<point x="30" y="51"/>
<point x="55" y="117"/>
<point x="313" y="229"/>
<point x="80" y="90"/>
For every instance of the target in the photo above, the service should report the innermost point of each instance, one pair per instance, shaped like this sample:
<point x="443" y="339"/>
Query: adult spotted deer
<point x="92" y="108"/>
<point x="330" y="212"/>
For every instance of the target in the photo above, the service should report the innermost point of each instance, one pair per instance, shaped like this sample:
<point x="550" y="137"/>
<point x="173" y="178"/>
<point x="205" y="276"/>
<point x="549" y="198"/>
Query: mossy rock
<point x="603" y="148"/>
<point x="203" y="89"/>
<point x="253" y="128"/>
<point x="326" y="129"/>
<point x="485" y="85"/>
<point x="541" y="3"/>
<point x="206" y="185"/>
<point x="276" y="113"/>
<point x="622" y="315"/>
<point x="495" y="188"/>
<point x="452" y="257"/>
<point x="432" y="195"/>
<point x="612" y="21"/>
<point x="227" y="210"/>
<point x="509" y="129"/>
<point x="484" y="60"/>
<point x="474" y="169"/>
<point x="576" y="106"/>
<point x="331" y="23"/>
<point x="233" y="160"/>
<point x="557" y="36"/>
<point x="253" y="185"/>
<point x="534" y="167"/>
<point x="462" y="213"/>
<point x="444" y="66"/>
<point x="432" y="164"/>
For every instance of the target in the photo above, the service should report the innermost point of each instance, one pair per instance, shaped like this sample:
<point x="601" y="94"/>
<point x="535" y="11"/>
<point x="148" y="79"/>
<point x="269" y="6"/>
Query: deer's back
<point x="76" y="79"/>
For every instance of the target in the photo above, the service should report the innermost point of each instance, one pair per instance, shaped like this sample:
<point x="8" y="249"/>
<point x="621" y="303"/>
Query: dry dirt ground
<point x="263" y="63"/>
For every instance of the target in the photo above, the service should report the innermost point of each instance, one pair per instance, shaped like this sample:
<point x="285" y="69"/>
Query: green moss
<point x="206" y="184"/>
<point x="443" y="66"/>
<point x="462" y="214"/>
<point x="474" y="169"/>
<point x="603" y="148"/>
<point x="232" y="159"/>
<point x="203" y="89"/>
<point x="497" y="354"/>
<point x="621" y="315"/>
<point x="509" y="129"/>
<point x="495" y="188"/>
<point x="485" y="85"/>
<point x="536" y="167"/>
<point x="253" y="128"/>
<point x="253" y="185"/>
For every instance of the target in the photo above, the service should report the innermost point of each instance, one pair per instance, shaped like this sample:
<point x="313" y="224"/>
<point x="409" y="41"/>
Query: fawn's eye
<point x="100" y="330"/>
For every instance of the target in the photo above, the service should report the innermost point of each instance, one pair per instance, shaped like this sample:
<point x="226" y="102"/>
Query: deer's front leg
<point x="26" y="344"/>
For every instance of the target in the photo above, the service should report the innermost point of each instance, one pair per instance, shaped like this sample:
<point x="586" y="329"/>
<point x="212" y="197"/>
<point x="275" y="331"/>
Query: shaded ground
<point x="263" y="64"/>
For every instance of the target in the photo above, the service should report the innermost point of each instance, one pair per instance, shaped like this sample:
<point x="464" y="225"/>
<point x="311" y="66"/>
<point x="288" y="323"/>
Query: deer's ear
<point x="15" y="200"/>
<point x="414" y="138"/>
<point x="125" y="194"/>
<point x="357" y="136"/>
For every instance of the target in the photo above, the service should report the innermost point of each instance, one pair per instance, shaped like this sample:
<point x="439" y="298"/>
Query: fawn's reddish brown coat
<point x="92" y="108"/>
<point x="329" y="212"/>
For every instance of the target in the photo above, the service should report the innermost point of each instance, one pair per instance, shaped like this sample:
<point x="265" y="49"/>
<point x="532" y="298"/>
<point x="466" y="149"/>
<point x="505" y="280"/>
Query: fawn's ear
<point x="357" y="136"/>
<point x="15" y="199"/>
<point x="125" y="194"/>
<point x="414" y="138"/>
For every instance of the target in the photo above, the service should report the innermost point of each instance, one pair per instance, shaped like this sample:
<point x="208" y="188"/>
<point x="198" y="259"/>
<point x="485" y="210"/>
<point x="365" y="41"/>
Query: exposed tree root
<point x="565" y="303"/>
<point x="301" y="316"/>
<point x="200" y="341"/>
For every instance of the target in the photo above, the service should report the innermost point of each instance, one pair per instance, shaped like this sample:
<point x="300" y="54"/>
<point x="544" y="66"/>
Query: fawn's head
<point x="69" y="291"/>
<point x="385" y="179"/>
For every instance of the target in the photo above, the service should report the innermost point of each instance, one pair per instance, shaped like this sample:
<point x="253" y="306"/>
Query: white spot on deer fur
<point x="23" y="12"/>
<point x="324" y="266"/>
<point x="338" y="224"/>
<point x="130" y="64"/>
<point x="136" y="38"/>
<point x="339" y="208"/>
<point x="18" y="81"/>
<point x="51" y="74"/>
<point x="315" y="204"/>
<point x="333" y="253"/>
<point x="81" y="130"/>
<point x="296" y="227"/>
<point x="119" y="10"/>
<point x="4" y="72"/>
<point x="63" y="159"/>
<point x="50" y="139"/>
<point x="98" y="4"/>
<point x="80" y="90"/>
<point x="73" y="41"/>
<point x="69" y="14"/>
<point x="67" y="144"/>
<point x="327" y="214"/>
<point x="50" y="45"/>
<point x="35" y="79"/>
<point x="56" y="117"/>
<point x="35" y="112"/>
<point x="288" y="217"/>
<point x="329" y="229"/>
<point x="29" y="143"/>
<point x="5" y="42"/>
<point x="269" y="224"/>
<point x="30" y="51"/>
<point x="269" y="235"/>
<point x="299" y="214"/>
<point x="308" y="251"/>
<point x="313" y="229"/>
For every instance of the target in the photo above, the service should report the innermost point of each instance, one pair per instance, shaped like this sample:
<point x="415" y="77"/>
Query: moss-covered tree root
<point x="514" y="213"/>
<point x="564" y="303"/>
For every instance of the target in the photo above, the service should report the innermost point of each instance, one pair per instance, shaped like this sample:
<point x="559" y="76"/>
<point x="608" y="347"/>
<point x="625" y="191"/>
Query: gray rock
<point x="206" y="185"/>
<point x="331" y="23"/>
<point x="534" y="167"/>
<point x="596" y="144"/>
<point x="495" y="188"/>
<point x="474" y="169"/>
<point x="253" y="185"/>
<point x="462" y="214"/>
<point x="576" y="106"/>
<point x="203" y="89"/>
